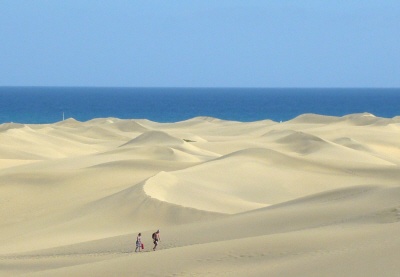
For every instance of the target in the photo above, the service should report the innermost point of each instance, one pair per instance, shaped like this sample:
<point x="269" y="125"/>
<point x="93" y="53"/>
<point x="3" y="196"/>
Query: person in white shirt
<point x="138" y="242"/>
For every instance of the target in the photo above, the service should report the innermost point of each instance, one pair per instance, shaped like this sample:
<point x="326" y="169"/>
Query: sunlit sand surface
<point x="313" y="196"/>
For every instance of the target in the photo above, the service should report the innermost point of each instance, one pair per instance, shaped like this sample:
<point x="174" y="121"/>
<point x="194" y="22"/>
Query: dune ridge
<point x="312" y="196"/>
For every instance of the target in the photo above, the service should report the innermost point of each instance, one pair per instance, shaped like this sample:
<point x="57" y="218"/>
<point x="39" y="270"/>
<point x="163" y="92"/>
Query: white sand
<point x="314" y="196"/>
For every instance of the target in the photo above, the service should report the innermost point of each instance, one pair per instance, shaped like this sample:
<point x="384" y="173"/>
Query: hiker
<point x="138" y="242"/>
<point x="156" y="238"/>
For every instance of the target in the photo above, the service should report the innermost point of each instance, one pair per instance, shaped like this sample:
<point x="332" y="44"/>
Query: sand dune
<point x="313" y="196"/>
<point x="155" y="137"/>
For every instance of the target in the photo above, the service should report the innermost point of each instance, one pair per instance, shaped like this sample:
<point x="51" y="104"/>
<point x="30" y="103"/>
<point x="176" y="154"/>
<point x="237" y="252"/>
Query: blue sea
<point x="48" y="104"/>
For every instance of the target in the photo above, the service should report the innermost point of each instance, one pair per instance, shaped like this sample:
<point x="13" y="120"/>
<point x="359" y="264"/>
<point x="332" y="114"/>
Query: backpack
<point x="154" y="236"/>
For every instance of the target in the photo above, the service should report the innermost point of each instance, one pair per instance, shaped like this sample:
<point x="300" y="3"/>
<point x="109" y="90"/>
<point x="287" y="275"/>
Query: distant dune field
<point x="313" y="196"/>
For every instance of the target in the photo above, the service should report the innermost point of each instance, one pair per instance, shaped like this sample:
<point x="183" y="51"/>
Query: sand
<point x="313" y="196"/>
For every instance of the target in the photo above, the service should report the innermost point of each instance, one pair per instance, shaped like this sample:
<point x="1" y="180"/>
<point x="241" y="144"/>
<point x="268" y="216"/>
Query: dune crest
<point x="154" y="138"/>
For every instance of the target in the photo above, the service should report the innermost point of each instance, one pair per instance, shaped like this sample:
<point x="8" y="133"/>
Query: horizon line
<point x="192" y="87"/>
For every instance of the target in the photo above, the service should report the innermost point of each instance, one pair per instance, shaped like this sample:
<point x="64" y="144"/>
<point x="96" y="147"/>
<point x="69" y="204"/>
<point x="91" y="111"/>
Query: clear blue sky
<point x="205" y="43"/>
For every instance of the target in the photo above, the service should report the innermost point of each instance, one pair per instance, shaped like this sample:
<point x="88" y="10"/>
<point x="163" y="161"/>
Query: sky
<point x="205" y="43"/>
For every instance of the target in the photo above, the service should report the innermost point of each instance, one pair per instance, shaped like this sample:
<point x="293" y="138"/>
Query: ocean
<point x="49" y="104"/>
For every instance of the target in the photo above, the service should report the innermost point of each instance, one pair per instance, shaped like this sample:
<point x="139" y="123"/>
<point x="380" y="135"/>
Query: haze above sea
<point x="50" y="104"/>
